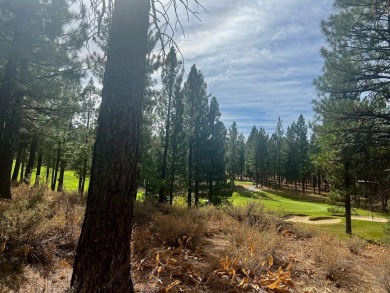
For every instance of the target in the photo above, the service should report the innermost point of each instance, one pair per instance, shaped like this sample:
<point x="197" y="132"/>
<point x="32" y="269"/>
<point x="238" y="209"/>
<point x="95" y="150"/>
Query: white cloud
<point x="258" y="57"/>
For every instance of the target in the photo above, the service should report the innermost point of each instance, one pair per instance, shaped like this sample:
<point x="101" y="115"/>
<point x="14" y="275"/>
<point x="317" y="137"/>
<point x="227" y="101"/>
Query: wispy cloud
<point x="259" y="57"/>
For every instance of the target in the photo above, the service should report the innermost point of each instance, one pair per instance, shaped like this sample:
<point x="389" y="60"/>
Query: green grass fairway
<point x="274" y="200"/>
<point x="71" y="182"/>
<point x="291" y="202"/>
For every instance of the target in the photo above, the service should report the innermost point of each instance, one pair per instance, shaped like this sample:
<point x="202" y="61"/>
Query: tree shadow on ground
<point x="295" y="195"/>
<point x="253" y="194"/>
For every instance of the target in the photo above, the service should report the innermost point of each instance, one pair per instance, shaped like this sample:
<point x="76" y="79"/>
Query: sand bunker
<point x="306" y="219"/>
<point x="370" y="219"/>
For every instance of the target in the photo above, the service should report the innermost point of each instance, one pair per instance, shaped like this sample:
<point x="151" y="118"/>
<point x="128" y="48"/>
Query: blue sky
<point x="258" y="57"/>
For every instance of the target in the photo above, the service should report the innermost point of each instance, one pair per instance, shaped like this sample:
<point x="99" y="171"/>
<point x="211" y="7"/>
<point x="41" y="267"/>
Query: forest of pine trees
<point x="103" y="116"/>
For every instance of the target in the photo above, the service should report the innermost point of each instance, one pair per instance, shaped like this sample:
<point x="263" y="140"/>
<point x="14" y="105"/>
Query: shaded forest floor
<point x="231" y="249"/>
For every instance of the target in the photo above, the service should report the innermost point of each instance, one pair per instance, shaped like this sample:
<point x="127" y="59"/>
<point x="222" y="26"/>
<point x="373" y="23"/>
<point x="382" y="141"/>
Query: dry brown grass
<point x="383" y="276"/>
<point x="254" y="214"/>
<point x="329" y="256"/>
<point x="356" y="244"/>
<point x="184" y="249"/>
<point x="37" y="227"/>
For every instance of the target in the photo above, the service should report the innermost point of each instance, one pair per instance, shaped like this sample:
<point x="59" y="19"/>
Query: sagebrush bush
<point x="305" y="231"/>
<point x="36" y="226"/>
<point x="166" y="224"/>
<point x="253" y="247"/>
<point x="356" y="244"/>
<point x="327" y="254"/>
<point x="173" y="228"/>
<point x="253" y="214"/>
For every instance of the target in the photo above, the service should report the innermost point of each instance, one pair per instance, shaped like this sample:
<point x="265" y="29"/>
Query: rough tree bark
<point x="17" y="165"/>
<point x="163" y="175"/>
<point x="347" y="198"/>
<point x="189" y="191"/>
<point x="102" y="261"/>
<point x="61" y="177"/>
<point x="55" y="169"/>
<point x="31" y="159"/>
<point x="20" y="46"/>
<point x="22" y="170"/>
<point x="38" y="173"/>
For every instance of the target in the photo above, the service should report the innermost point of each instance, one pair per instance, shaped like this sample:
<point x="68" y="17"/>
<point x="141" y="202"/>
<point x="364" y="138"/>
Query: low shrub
<point x="174" y="227"/>
<point x="253" y="214"/>
<point x="36" y="226"/>
<point x="328" y="255"/>
<point x="356" y="244"/>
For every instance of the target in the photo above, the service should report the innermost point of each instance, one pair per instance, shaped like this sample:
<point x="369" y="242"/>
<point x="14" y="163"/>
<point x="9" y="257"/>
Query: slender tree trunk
<point x="314" y="183"/>
<point x="48" y="169"/>
<point x="83" y="177"/>
<point x="279" y="169"/>
<point x="61" y="177"/>
<point x="55" y="170"/>
<point x="384" y="201"/>
<point x="196" y="193"/>
<point x="53" y="167"/>
<point x="82" y="186"/>
<point x="162" y="198"/>
<point x="80" y="183"/>
<point x="31" y="160"/>
<point x="319" y="182"/>
<point x="211" y="171"/>
<point x="7" y="147"/>
<point x="22" y="171"/>
<point x="38" y="173"/>
<point x="102" y="262"/>
<point x="17" y="165"/>
<point x="303" y="185"/>
<point x="210" y="196"/>
<point x="189" y="192"/>
<point x="173" y="165"/>
<point x="172" y="181"/>
<point x="347" y="198"/>
<point x="233" y="175"/>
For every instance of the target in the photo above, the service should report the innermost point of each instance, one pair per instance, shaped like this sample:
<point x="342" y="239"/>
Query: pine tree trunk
<point x="314" y="183"/>
<point x="384" y="201"/>
<point x="7" y="147"/>
<point x="162" y="198"/>
<point x="189" y="192"/>
<point x="173" y="165"/>
<point x="53" y="167"/>
<point x="22" y="171"/>
<point x="31" y="160"/>
<point x="61" y="177"/>
<point x="102" y="262"/>
<point x="19" y="48"/>
<point x="319" y="182"/>
<point x="39" y="166"/>
<point x="196" y="193"/>
<point x="84" y="176"/>
<point x="55" y="170"/>
<point x="17" y="164"/>
<point x="347" y="199"/>
<point x="48" y="169"/>
<point x="80" y="183"/>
